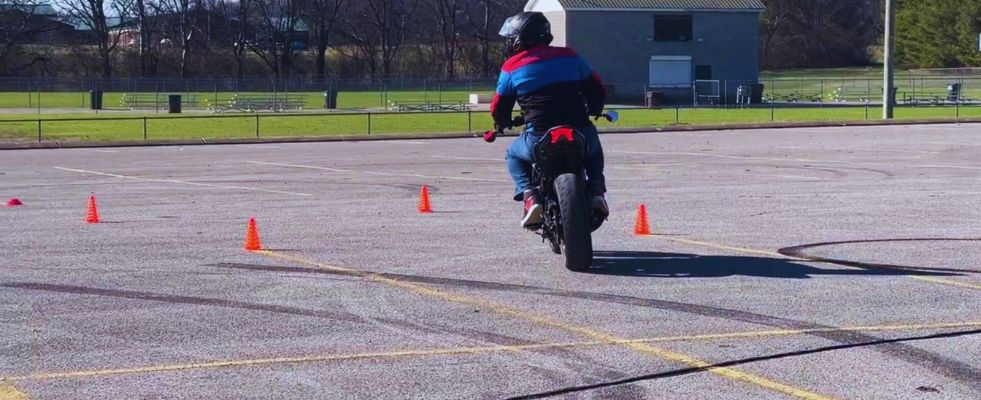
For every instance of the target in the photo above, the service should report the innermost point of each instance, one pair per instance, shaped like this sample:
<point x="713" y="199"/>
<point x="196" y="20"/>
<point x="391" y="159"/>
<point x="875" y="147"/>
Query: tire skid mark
<point x="952" y="368"/>
<point x="798" y="252"/>
<point x="465" y="333"/>
<point x="734" y="363"/>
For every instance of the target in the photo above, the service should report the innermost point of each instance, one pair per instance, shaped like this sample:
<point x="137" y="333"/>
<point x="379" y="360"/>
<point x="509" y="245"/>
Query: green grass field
<point x="860" y="83"/>
<point x="98" y="127"/>
<point x="205" y="100"/>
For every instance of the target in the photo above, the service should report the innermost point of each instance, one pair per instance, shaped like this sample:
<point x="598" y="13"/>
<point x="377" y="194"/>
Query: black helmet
<point x="525" y="30"/>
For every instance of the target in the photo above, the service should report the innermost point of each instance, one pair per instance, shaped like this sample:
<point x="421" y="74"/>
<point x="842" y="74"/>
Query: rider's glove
<point x="490" y="136"/>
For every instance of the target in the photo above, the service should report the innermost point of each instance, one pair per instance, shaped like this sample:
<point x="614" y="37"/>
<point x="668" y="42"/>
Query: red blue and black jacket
<point x="553" y="86"/>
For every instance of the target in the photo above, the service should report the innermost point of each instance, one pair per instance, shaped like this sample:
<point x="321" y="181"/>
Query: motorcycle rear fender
<point x="561" y="150"/>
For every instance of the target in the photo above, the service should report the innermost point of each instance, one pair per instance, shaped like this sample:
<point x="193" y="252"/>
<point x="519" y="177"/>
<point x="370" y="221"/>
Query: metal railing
<point x="145" y="123"/>
<point x="355" y="124"/>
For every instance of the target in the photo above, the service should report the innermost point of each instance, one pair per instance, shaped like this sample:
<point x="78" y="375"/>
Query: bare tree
<point x="276" y="23"/>
<point x="484" y="18"/>
<point x="379" y="29"/>
<point x="19" y="19"/>
<point x="322" y="17"/>
<point x="446" y="15"/>
<point x="771" y="24"/>
<point x="181" y="18"/>
<point x="236" y="15"/>
<point x="144" y="12"/>
<point x="93" y="15"/>
<point x="819" y="33"/>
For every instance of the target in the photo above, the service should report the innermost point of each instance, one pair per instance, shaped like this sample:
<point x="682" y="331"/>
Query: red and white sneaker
<point x="533" y="210"/>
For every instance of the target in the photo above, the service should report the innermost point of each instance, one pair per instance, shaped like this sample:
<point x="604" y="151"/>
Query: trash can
<point x="652" y="98"/>
<point x="95" y="99"/>
<point x="330" y="99"/>
<point x="895" y="95"/>
<point x="954" y="92"/>
<point x="743" y="94"/>
<point x="174" y="103"/>
<point x="756" y="93"/>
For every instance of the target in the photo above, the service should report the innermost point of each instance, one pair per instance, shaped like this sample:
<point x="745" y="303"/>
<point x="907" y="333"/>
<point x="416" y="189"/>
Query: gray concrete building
<point x="663" y="46"/>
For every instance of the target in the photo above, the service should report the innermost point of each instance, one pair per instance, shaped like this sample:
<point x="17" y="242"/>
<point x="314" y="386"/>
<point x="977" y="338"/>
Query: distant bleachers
<point x="262" y="102"/>
<point x="403" y="106"/>
<point x="139" y="101"/>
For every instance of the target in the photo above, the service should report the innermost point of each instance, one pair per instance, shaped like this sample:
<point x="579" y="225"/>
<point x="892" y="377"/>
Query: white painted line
<point x="715" y="173"/>
<point x="403" y="141"/>
<point x="349" y="171"/>
<point x="638" y="169"/>
<point x="174" y="181"/>
<point x="956" y="144"/>
<point x="803" y="160"/>
<point x="502" y="160"/>
<point x="812" y="178"/>
<point x="948" y="167"/>
<point x="96" y="150"/>
<point x="862" y="150"/>
<point x="770" y="159"/>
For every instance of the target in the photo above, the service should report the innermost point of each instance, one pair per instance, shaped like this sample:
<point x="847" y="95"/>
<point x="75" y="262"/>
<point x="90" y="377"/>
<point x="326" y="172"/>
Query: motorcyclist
<point x="553" y="86"/>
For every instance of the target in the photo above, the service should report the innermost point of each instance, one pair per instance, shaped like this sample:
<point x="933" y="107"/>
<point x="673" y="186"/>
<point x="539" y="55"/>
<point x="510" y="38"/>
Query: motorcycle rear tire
<point x="576" y="230"/>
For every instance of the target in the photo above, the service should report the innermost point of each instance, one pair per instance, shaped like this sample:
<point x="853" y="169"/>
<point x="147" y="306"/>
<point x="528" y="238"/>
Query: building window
<point x="672" y="28"/>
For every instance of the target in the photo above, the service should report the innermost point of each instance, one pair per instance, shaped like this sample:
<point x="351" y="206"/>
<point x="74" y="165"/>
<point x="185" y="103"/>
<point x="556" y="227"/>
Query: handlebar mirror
<point x="612" y="116"/>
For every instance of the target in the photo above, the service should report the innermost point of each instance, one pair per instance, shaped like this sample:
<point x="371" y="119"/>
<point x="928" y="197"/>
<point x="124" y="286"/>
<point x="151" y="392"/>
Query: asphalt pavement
<point x="786" y="263"/>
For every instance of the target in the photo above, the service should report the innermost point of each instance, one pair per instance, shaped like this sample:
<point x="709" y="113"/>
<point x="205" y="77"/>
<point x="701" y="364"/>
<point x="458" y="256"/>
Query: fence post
<point x="39" y="129"/>
<point x="866" y="109"/>
<point x="725" y="94"/>
<point x="677" y="114"/>
<point x="257" y="125"/>
<point x="144" y="128"/>
<point x="369" y="123"/>
<point x="771" y="111"/>
<point x="30" y="96"/>
<point x="469" y="121"/>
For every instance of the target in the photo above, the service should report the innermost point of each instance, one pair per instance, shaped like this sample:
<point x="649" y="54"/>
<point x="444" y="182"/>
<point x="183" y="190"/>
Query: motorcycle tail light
<point x="563" y="133"/>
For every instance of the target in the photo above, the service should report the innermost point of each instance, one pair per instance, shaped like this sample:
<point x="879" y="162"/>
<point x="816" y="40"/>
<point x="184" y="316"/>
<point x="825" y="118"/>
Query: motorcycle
<point x="559" y="175"/>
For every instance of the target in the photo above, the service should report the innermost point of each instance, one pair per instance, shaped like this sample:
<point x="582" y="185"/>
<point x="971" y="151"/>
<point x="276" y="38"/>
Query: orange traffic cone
<point x="92" y="216"/>
<point x="641" y="227"/>
<point x="424" y="206"/>
<point x="252" y="237"/>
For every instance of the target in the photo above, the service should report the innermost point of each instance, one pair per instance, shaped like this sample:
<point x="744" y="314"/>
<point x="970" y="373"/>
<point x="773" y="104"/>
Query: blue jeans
<point x="520" y="155"/>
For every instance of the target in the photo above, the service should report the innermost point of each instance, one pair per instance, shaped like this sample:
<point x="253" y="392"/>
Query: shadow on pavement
<point x="679" y="265"/>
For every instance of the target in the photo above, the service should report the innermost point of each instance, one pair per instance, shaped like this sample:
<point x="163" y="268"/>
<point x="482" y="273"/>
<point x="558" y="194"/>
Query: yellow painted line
<point x="10" y="392"/>
<point x="645" y="348"/>
<point x="947" y="282"/>
<point x="470" y="351"/>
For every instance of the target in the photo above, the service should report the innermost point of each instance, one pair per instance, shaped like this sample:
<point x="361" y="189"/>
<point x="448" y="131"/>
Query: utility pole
<point x="889" y="68"/>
